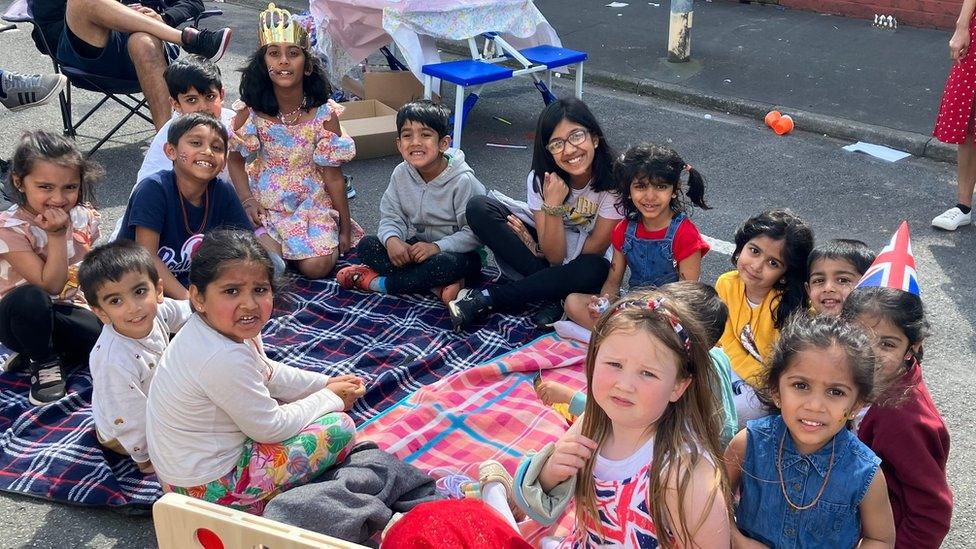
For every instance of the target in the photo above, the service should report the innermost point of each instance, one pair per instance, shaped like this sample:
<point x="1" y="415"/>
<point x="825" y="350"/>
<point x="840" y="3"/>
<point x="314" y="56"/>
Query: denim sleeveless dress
<point x="651" y="262"/>
<point x="835" y="521"/>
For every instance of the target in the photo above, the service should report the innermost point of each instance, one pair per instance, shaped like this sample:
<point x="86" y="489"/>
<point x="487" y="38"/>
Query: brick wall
<point x="917" y="13"/>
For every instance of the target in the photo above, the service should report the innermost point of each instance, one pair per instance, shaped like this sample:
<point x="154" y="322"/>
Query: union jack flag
<point x="894" y="266"/>
<point x="624" y="516"/>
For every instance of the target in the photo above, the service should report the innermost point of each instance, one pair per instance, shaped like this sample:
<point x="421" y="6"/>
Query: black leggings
<point x="438" y="270"/>
<point x="33" y="325"/>
<point x="586" y="273"/>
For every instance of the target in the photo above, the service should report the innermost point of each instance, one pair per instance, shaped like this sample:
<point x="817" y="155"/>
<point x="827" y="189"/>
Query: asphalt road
<point x="747" y="167"/>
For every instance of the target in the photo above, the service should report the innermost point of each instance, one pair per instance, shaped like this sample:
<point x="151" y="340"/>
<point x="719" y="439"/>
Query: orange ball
<point x="784" y="125"/>
<point x="772" y="117"/>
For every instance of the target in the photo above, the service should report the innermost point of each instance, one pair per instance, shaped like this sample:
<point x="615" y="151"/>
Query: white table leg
<point x="428" y="84"/>
<point x="579" y="81"/>
<point x="458" y="116"/>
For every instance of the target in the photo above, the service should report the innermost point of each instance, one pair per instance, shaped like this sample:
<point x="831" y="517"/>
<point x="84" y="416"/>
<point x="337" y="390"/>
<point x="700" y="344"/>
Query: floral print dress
<point x="284" y="176"/>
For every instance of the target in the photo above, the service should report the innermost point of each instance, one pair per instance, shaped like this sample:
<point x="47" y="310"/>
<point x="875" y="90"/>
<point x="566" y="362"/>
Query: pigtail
<point x="696" y="188"/>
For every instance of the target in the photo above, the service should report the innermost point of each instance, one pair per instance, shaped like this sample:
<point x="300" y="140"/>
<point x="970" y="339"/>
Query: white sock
<point x="496" y="497"/>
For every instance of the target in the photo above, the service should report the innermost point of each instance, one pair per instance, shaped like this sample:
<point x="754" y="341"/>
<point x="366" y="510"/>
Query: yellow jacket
<point x="732" y="291"/>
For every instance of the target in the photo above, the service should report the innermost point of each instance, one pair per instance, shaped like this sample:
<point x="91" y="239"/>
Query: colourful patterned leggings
<point x="266" y="470"/>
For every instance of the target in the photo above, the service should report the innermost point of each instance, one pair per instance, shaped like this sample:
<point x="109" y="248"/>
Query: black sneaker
<point x="549" y="314"/>
<point x="208" y="43"/>
<point x="468" y="306"/>
<point x="47" y="382"/>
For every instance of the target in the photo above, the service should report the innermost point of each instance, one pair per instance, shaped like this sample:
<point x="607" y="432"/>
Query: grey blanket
<point x="355" y="499"/>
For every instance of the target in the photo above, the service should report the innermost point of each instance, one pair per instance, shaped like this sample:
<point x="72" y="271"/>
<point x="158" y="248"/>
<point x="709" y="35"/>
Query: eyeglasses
<point x="575" y="138"/>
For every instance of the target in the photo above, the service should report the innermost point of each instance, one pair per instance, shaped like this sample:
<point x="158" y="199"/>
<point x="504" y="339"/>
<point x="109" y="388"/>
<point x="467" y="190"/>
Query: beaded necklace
<point x="295" y="114"/>
<point x="782" y="483"/>
<point x="186" y="218"/>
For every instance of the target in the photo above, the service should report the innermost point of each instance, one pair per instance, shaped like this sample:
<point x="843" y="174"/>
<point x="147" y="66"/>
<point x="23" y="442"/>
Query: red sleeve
<point x="913" y="445"/>
<point x="618" y="234"/>
<point x="687" y="241"/>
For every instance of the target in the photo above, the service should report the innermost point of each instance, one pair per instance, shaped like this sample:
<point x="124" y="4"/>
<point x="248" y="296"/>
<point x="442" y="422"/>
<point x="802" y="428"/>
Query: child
<point x="904" y="426"/>
<point x="43" y="238"/>
<point x="169" y="212"/>
<point x="651" y="426"/>
<point x="226" y="423"/>
<point x="423" y="241"/>
<point x="804" y="479"/>
<point x="556" y="243"/>
<point x="656" y="240"/>
<point x="125" y="292"/>
<point x="835" y="267"/>
<point x="770" y="259"/>
<point x="291" y="134"/>
<point x="712" y="314"/>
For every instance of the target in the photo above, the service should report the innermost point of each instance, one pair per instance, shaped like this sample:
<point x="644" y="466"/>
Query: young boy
<point x="170" y="210"/>
<point x="423" y="241"/>
<point x="712" y="314"/>
<point x="835" y="267"/>
<point x="123" y="289"/>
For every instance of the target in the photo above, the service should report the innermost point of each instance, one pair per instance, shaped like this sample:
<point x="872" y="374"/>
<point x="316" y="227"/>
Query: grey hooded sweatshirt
<point x="434" y="211"/>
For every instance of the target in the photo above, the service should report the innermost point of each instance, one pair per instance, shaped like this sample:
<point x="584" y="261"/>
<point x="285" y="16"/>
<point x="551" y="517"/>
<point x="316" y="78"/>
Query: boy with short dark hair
<point x="124" y="290"/>
<point x="170" y="210"/>
<point x="424" y="241"/>
<point x="835" y="267"/>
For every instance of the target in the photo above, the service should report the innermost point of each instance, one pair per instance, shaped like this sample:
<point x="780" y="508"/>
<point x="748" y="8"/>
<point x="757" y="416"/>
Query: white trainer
<point x="952" y="219"/>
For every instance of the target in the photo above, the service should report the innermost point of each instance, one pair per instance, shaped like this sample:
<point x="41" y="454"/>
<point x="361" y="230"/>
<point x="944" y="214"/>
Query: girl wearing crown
<point x="288" y="132"/>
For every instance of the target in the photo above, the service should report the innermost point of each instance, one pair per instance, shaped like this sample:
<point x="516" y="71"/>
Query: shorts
<point x="113" y="60"/>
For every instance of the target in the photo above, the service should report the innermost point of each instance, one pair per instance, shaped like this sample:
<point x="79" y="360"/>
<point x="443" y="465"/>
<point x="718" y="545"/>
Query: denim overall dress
<point x="651" y="262"/>
<point x="835" y="520"/>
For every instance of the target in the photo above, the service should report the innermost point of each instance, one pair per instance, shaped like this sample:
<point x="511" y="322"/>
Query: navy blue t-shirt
<point x="155" y="205"/>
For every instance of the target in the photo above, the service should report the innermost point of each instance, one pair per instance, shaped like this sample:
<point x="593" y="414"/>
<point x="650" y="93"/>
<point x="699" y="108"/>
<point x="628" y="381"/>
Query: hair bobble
<point x="658" y="305"/>
<point x="688" y="167"/>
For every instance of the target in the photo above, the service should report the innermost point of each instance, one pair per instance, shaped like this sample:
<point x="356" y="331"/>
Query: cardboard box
<point x="372" y="125"/>
<point x="392" y="88"/>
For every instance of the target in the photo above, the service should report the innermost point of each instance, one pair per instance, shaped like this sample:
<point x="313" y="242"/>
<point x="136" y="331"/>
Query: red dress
<point x="957" y="99"/>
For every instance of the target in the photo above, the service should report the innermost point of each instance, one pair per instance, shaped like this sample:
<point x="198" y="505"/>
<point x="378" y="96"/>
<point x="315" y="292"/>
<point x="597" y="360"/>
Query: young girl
<point x="656" y="240"/>
<point x="557" y="243"/>
<point x="767" y="287"/>
<point x="225" y="423"/>
<point x="43" y="238"/>
<point x="289" y="130"/>
<point x="643" y="463"/>
<point x="804" y="479"/>
<point x="904" y="427"/>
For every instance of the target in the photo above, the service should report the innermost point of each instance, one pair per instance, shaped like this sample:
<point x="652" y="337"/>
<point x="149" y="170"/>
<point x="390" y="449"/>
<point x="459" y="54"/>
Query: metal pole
<point x="679" y="33"/>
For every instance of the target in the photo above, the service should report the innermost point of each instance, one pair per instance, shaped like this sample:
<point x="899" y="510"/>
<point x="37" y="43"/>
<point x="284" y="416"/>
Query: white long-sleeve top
<point x="211" y="393"/>
<point x="122" y="370"/>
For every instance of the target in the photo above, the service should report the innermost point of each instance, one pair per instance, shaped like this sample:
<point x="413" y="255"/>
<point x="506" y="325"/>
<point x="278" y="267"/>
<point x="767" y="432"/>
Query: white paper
<point x="567" y="329"/>
<point x="617" y="5"/>
<point x="877" y="151"/>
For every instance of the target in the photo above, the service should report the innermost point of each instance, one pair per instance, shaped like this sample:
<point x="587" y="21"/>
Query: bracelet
<point x="246" y="200"/>
<point x="556" y="211"/>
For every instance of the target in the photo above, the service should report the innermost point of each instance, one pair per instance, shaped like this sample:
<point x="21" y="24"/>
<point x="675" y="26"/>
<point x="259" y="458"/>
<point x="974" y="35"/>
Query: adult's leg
<point x="488" y="219"/>
<point x="148" y="56"/>
<point x="27" y="323"/>
<point x="585" y="274"/>
<point x="75" y="332"/>
<point x="966" y="169"/>
<point x="93" y="20"/>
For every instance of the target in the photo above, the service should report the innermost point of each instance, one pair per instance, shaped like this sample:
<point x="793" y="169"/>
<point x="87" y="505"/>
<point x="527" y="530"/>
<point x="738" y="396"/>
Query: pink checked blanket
<point x="488" y="412"/>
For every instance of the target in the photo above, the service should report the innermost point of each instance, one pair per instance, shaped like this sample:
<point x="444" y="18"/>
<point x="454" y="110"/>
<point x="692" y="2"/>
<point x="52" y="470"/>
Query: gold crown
<point x="277" y="27"/>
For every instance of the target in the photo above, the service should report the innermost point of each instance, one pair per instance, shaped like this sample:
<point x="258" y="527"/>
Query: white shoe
<point x="952" y="219"/>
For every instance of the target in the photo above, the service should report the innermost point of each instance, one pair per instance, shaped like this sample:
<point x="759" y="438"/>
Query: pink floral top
<point x="19" y="233"/>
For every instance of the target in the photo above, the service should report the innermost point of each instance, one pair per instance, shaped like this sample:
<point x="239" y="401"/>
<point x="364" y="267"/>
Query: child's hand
<point x="53" y="220"/>
<point x="345" y="243"/>
<point x="255" y="212"/>
<point x="349" y="390"/>
<point x="146" y="467"/>
<point x="422" y="251"/>
<point x="554" y="189"/>
<point x="596" y="305"/>
<point x="570" y="455"/>
<point x="398" y="251"/>
<point x="524" y="235"/>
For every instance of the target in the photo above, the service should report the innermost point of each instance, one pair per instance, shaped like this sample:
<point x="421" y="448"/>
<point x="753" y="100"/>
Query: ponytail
<point x="696" y="188"/>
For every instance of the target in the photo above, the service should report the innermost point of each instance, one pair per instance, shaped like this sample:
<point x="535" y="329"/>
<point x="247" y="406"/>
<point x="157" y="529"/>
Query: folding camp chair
<point x="127" y="93"/>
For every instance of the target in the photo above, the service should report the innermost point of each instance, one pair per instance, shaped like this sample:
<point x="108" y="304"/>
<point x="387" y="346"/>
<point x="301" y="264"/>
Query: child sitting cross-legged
<point x="169" y="211"/>
<point x="124" y="290"/>
<point x="424" y="241"/>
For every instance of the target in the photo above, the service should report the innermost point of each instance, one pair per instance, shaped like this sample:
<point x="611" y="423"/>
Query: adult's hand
<point x="959" y="44"/>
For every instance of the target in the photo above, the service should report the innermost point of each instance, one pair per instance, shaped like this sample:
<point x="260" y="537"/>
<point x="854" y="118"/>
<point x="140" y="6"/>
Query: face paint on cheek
<point x="184" y="158"/>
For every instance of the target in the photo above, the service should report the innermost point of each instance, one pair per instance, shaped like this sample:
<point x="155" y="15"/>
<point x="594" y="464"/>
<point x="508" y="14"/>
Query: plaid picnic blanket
<point x="397" y="344"/>
<point x="488" y="412"/>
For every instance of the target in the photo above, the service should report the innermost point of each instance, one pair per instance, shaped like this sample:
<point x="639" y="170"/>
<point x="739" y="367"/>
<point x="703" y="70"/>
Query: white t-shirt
<point x="623" y="469"/>
<point x="211" y="393"/>
<point x="122" y="369"/>
<point x="587" y="206"/>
